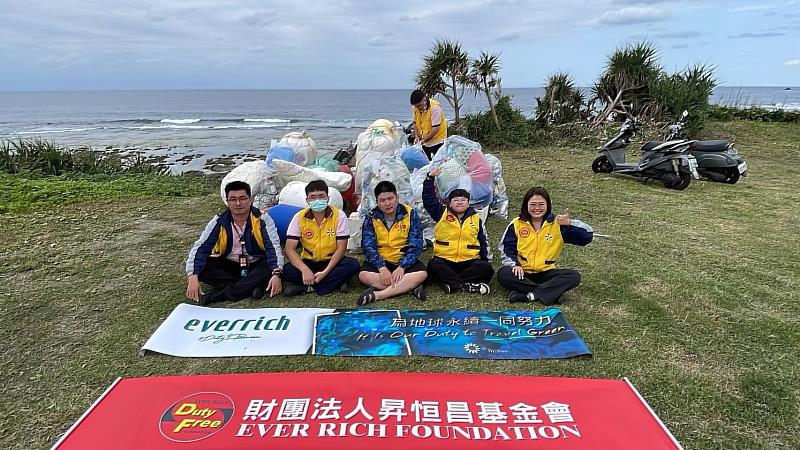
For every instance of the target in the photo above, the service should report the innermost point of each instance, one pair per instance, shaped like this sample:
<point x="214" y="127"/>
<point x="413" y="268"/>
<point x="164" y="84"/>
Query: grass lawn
<point x="694" y="296"/>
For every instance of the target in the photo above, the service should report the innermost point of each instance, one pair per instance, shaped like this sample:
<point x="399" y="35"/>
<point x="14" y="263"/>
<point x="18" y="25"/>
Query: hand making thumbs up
<point x="563" y="218"/>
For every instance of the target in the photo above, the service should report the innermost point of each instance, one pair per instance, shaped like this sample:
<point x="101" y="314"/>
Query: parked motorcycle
<point x="717" y="160"/>
<point x="669" y="162"/>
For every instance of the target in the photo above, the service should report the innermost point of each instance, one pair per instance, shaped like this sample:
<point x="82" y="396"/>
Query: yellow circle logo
<point x="197" y="416"/>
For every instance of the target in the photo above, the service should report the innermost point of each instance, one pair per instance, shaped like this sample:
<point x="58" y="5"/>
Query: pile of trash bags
<point x="381" y="153"/>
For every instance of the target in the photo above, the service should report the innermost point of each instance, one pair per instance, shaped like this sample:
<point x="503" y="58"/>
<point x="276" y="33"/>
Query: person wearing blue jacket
<point x="391" y="238"/>
<point x="238" y="254"/>
<point x="530" y="247"/>
<point x="460" y="260"/>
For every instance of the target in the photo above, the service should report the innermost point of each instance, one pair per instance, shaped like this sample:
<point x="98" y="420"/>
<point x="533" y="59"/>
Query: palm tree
<point x="623" y="84"/>
<point x="484" y="76"/>
<point x="444" y="70"/>
<point x="562" y="101"/>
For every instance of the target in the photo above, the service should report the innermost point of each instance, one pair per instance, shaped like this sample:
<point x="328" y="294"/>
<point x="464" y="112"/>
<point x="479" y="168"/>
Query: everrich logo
<point x="524" y="232"/>
<point x="197" y="416"/>
<point x="308" y="233"/>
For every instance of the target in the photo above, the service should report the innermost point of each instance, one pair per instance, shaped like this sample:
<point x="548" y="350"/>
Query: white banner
<point x="196" y="331"/>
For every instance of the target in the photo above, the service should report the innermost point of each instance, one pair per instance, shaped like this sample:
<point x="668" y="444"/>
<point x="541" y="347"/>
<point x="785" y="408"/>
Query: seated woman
<point x="460" y="260"/>
<point x="391" y="238"/>
<point x="530" y="247"/>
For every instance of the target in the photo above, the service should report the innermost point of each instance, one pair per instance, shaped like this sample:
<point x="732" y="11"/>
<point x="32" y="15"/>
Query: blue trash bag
<point x="413" y="157"/>
<point x="280" y="152"/>
<point x="282" y="215"/>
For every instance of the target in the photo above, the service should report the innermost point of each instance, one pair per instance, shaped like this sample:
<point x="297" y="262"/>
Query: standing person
<point x="238" y="254"/>
<point x="430" y="124"/>
<point x="530" y="247"/>
<point x="322" y="231"/>
<point x="391" y="238"/>
<point x="460" y="251"/>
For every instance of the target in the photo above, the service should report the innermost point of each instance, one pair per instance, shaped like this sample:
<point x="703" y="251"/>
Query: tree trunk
<point x="456" y="106"/>
<point x="491" y="105"/>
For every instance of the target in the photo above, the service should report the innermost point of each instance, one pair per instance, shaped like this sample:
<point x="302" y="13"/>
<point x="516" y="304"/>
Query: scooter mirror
<point x="685" y="113"/>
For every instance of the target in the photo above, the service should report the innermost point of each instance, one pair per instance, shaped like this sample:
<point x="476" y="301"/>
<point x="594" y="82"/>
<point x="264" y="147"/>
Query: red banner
<point x="368" y="410"/>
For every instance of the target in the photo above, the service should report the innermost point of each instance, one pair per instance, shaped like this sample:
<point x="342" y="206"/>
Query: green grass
<point x="694" y="297"/>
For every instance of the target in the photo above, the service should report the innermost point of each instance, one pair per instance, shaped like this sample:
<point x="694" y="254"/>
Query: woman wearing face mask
<point x="322" y="231"/>
<point x="530" y="247"/>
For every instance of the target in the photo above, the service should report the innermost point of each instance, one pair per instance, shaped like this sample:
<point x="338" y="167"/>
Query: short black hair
<point x="536" y="190"/>
<point x="417" y="96"/>
<point x="237" y="186"/>
<point x="458" y="193"/>
<point x="317" y="186"/>
<point x="383" y="187"/>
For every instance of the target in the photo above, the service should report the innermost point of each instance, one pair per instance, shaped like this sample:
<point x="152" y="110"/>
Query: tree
<point x="623" y="85"/>
<point x="561" y="103"/>
<point x="445" y="71"/>
<point x="484" y="77"/>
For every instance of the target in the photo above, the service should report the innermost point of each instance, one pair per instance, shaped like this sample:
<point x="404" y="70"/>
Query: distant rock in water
<point x="788" y="89"/>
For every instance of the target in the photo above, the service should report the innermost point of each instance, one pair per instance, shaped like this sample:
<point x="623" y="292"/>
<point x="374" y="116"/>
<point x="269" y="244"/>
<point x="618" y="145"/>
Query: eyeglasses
<point x="317" y="197"/>
<point x="238" y="200"/>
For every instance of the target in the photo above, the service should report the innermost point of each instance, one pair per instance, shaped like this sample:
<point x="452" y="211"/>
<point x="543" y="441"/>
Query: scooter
<point x="716" y="160"/>
<point x="669" y="162"/>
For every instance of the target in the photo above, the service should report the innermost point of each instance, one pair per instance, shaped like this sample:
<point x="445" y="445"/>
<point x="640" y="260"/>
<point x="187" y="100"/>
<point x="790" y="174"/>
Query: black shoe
<point x="519" y="297"/>
<point x="258" y="293"/>
<point x="367" y="297"/>
<point x="212" y="296"/>
<point x="343" y="288"/>
<point x="419" y="292"/>
<point x="446" y="288"/>
<point x="477" y="288"/>
<point x="292" y="290"/>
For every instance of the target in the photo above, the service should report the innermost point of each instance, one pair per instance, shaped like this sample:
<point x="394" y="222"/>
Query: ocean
<point x="193" y="130"/>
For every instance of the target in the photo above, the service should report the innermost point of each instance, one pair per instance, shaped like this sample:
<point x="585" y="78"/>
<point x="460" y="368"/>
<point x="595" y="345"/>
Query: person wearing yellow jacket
<point x="460" y="260"/>
<point x="430" y="123"/>
<point x="530" y="247"/>
<point x="322" y="231"/>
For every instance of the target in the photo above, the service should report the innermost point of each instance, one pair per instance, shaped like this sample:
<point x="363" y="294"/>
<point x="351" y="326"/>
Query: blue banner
<point x="448" y="333"/>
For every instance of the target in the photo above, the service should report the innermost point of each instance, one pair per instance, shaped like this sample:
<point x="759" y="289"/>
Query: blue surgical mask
<point x="318" y="205"/>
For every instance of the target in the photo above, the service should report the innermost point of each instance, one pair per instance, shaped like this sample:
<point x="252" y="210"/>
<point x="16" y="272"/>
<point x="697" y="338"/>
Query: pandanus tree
<point x="445" y="71"/>
<point x="484" y="77"/>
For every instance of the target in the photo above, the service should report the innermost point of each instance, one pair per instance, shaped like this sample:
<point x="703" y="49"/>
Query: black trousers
<point x="224" y="276"/>
<point x="547" y="286"/>
<point x="455" y="274"/>
<point x="430" y="151"/>
<point x="342" y="272"/>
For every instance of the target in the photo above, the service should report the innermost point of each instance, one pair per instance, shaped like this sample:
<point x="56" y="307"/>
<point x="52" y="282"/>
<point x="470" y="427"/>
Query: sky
<point x="351" y="44"/>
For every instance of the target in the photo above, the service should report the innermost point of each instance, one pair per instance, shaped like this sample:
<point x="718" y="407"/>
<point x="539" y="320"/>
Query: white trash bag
<point x="288" y="172"/>
<point x="305" y="149"/>
<point x="261" y="179"/>
<point x="294" y="194"/>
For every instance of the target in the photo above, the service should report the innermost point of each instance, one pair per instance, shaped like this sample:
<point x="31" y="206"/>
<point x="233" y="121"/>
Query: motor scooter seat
<point x="651" y="145"/>
<point x="711" y="146"/>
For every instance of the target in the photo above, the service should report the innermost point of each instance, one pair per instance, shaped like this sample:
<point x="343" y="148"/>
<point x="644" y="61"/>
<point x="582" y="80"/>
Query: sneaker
<point x="477" y="288"/>
<point x="212" y="296"/>
<point x="516" y="296"/>
<point x="292" y="290"/>
<point x="419" y="292"/>
<point x="343" y="288"/>
<point x="258" y="293"/>
<point x="446" y="288"/>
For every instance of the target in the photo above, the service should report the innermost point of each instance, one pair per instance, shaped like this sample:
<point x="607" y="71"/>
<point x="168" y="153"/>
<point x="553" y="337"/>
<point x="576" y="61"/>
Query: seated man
<point x="238" y="254"/>
<point x="322" y="231"/>
<point x="460" y="251"/>
<point x="391" y="238"/>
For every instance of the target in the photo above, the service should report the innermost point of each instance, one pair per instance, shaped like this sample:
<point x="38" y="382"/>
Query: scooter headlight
<point x="731" y="151"/>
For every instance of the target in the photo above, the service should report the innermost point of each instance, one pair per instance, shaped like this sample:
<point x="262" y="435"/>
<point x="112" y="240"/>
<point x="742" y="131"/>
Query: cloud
<point x="407" y="18"/>
<point x="509" y="36"/>
<point x="757" y="35"/>
<point x="61" y="60"/>
<point x="634" y="14"/>
<point x="380" y="40"/>
<point x="678" y="35"/>
<point x="751" y="8"/>
<point x="793" y="62"/>
<point x="259" y="19"/>
<point x="679" y="46"/>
